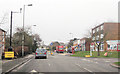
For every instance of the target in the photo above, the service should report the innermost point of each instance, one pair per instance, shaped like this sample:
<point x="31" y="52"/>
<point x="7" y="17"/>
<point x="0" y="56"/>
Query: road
<point x="63" y="63"/>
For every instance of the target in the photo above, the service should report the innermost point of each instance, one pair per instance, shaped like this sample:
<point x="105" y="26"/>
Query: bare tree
<point x="3" y="19"/>
<point x="37" y="38"/>
<point x="97" y="42"/>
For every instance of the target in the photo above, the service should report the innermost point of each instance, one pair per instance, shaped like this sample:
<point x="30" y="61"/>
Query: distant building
<point x="61" y="43"/>
<point x="76" y="42"/>
<point x="85" y="44"/>
<point x="108" y="34"/>
<point x="2" y="40"/>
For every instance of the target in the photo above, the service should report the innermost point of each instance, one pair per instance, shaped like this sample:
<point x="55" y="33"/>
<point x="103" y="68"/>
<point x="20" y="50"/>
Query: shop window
<point x="115" y="47"/>
<point x="118" y="47"/>
<point x="108" y="46"/>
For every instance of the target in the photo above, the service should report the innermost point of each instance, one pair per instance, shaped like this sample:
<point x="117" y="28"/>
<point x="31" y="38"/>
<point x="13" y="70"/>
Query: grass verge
<point x="111" y="54"/>
<point x="117" y="63"/>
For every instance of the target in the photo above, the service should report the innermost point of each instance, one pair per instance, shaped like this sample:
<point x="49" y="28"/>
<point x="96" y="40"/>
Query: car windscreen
<point x="40" y="50"/>
<point x="60" y="48"/>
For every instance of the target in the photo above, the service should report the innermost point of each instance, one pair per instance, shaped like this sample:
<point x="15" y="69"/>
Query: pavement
<point x="8" y="65"/>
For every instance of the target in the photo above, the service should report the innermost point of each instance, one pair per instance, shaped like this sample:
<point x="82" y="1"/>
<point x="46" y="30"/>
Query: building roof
<point x="2" y="30"/>
<point x="105" y="23"/>
<point x="84" y="38"/>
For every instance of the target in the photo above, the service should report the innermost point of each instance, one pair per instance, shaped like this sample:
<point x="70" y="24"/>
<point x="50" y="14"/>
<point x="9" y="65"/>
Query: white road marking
<point x="90" y="61"/>
<point x="84" y="68"/>
<point x="33" y="71"/>
<point x="49" y="65"/>
<point x="96" y="62"/>
<point x="14" y="71"/>
<point x="107" y="61"/>
<point x="78" y="65"/>
<point x="87" y="69"/>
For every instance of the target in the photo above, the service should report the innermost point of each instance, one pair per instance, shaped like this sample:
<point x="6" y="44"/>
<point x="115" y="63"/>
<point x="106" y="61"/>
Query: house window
<point x="102" y="48"/>
<point x="93" y="38"/>
<point x="97" y="29"/>
<point x="102" y="27"/>
<point x="101" y="36"/>
<point x="97" y="37"/>
<point x="94" y="31"/>
<point x="3" y="37"/>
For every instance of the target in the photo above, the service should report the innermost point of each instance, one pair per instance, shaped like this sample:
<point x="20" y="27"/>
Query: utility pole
<point x="10" y="48"/>
<point x="11" y="29"/>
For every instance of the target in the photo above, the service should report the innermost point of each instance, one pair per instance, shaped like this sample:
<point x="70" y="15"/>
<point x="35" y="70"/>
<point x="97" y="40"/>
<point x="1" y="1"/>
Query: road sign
<point x="51" y="43"/>
<point x="9" y="54"/>
<point x="98" y="42"/>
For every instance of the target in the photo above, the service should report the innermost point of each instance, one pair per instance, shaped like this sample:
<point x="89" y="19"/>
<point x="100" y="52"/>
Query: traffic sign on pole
<point x="51" y="43"/>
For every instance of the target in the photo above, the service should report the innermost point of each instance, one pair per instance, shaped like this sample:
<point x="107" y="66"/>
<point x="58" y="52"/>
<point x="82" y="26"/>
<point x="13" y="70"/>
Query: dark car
<point x="69" y="50"/>
<point x="41" y="53"/>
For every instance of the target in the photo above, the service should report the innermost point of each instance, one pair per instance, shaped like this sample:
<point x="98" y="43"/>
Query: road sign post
<point x="51" y="47"/>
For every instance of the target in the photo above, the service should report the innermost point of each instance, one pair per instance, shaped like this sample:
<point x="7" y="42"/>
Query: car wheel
<point x="35" y="57"/>
<point x="45" y="57"/>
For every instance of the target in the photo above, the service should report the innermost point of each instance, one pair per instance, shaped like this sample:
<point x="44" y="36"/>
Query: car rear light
<point x="36" y="53"/>
<point x="45" y="53"/>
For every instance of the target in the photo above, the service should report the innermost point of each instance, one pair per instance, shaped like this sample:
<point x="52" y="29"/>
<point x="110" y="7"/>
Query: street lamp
<point x="71" y="34"/>
<point x="10" y="48"/>
<point x="23" y="28"/>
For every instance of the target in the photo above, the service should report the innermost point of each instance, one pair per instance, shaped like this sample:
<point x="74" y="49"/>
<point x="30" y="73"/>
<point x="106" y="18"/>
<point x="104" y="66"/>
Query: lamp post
<point x="10" y="48"/>
<point x="23" y="28"/>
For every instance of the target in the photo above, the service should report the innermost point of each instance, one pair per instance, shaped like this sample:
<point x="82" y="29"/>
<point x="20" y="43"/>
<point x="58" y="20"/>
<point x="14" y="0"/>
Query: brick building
<point x="2" y="40"/>
<point x="106" y="33"/>
<point x="85" y="44"/>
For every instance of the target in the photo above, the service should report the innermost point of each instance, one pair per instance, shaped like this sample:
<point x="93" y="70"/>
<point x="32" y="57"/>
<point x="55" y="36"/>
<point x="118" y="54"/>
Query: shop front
<point x="113" y="45"/>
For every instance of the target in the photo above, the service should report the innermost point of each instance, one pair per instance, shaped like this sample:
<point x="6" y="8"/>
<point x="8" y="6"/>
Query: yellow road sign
<point x="87" y="55"/>
<point x="9" y="54"/>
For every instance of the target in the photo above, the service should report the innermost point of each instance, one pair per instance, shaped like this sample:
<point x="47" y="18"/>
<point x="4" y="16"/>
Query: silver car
<point x="41" y="53"/>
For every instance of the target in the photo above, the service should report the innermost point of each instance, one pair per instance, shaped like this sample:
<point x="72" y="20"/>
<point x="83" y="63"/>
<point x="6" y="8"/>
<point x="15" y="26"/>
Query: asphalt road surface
<point x="63" y="63"/>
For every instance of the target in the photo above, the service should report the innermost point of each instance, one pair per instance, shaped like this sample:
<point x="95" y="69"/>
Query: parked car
<point x="41" y="53"/>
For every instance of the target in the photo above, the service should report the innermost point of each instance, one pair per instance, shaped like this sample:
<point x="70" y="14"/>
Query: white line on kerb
<point x="24" y="64"/>
<point x="87" y="69"/>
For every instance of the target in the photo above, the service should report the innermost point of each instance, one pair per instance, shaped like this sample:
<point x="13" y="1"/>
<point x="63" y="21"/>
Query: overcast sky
<point x="55" y="19"/>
